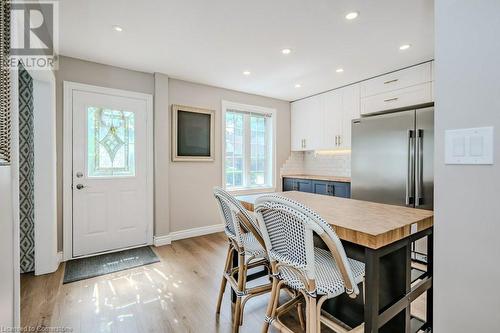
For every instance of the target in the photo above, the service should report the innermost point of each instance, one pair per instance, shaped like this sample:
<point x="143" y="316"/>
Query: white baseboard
<point x="161" y="240"/>
<point x="188" y="233"/>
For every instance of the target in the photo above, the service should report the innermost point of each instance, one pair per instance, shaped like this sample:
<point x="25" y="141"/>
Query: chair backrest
<point x="231" y="213"/>
<point x="287" y="228"/>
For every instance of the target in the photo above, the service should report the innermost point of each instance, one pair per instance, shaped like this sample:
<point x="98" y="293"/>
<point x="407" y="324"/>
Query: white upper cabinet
<point x="307" y="115"/>
<point x="350" y="111"/>
<point x="341" y="107"/>
<point x="333" y="119"/>
<point x="406" y="87"/>
<point x="323" y="122"/>
<point x="396" y="80"/>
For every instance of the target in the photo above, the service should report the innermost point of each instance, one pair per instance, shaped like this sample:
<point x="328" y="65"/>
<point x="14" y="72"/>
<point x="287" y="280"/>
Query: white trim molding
<point x="162" y="240"/>
<point x="69" y="87"/>
<point x="188" y="233"/>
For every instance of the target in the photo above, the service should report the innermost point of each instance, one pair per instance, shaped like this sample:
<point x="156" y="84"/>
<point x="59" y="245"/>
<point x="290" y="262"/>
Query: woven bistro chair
<point x="246" y="241"/>
<point x="287" y="228"/>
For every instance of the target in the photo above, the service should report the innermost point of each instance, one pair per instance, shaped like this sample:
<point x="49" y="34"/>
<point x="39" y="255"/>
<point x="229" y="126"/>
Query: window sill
<point x="243" y="191"/>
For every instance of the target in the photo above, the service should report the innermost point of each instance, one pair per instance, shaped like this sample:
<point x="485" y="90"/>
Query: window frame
<point x="271" y="185"/>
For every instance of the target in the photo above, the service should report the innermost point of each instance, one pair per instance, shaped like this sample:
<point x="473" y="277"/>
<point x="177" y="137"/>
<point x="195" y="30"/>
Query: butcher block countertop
<point x="369" y="224"/>
<point x="318" y="177"/>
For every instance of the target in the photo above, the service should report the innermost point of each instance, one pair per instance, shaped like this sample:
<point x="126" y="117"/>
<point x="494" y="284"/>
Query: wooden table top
<point x="369" y="224"/>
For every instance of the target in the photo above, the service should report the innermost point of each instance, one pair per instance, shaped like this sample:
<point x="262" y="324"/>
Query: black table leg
<point x="387" y="279"/>
<point x="430" y="272"/>
<point x="372" y="278"/>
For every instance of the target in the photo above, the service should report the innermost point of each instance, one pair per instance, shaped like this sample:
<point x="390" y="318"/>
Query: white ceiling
<point x="214" y="41"/>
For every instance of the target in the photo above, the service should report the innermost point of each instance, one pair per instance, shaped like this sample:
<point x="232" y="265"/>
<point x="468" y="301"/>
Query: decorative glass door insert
<point x="110" y="142"/>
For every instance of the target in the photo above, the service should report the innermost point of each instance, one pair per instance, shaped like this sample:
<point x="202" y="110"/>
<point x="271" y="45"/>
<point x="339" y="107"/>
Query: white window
<point x="249" y="146"/>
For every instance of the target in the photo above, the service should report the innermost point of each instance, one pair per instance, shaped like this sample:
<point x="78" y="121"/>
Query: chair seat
<point x="328" y="277"/>
<point x="252" y="246"/>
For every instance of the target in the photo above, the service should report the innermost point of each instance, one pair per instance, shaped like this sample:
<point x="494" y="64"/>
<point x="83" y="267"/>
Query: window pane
<point x="234" y="149"/>
<point x="246" y="152"/>
<point x="110" y="142"/>
<point x="257" y="154"/>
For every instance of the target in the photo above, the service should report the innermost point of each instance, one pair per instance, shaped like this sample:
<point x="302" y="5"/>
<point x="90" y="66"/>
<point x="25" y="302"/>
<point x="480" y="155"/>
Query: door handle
<point x="80" y="186"/>
<point x="410" y="191"/>
<point x="418" y="167"/>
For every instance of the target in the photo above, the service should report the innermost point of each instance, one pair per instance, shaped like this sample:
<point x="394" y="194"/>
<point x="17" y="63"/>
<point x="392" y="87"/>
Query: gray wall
<point x="467" y="225"/>
<point x="76" y="70"/>
<point x="191" y="183"/>
<point x="162" y="155"/>
<point x="181" y="186"/>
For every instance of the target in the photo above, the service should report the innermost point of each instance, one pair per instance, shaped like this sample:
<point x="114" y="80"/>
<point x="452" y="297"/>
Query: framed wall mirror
<point x="193" y="132"/>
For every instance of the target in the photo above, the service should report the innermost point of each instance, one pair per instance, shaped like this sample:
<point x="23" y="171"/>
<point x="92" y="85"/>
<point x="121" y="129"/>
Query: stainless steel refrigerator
<point x="392" y="160"/>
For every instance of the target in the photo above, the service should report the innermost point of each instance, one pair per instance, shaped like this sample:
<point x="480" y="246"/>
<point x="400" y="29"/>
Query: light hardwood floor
<point x="177" y="294"/>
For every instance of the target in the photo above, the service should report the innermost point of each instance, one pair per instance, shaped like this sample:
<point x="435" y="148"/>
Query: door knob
<point x="80" y="186"/>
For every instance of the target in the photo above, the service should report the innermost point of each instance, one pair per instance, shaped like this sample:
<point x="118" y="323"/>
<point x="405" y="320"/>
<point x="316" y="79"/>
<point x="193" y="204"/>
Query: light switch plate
<point x="469" y="146"/>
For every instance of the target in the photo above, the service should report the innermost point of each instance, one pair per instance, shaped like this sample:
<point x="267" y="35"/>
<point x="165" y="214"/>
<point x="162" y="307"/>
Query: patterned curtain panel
<point x="26" y="172"/>
<point x="4" y="83"/>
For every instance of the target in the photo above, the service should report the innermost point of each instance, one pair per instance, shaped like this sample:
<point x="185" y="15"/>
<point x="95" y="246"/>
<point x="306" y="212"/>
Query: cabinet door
<point x="322" y="187"/>
<point x="313" y="122"/>
<point x="342" y="190"/>
<point x="333" y="118"/>
<point x="304" y="185"/>
<point x="397" y="80"/>
<point x="288" y="184"/>
<point x="415" y="95"/>
<point x="350" y="111"/>
<point x="298" y="129"/>
<point x="307" y="123"/>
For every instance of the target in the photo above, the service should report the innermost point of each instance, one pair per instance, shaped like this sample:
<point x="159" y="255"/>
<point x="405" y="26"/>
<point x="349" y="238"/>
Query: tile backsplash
<point x="311" y="163"/>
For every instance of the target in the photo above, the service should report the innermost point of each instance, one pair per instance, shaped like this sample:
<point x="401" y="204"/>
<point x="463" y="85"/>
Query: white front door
<point x="111" y="172"/>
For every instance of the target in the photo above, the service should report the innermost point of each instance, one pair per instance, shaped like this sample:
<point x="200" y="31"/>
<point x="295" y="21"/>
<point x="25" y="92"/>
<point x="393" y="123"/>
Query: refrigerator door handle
<point x="418" y="165"/>
<point x="411" y="169"/>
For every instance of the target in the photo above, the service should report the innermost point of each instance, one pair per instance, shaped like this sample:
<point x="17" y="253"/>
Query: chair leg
<point x="224" y="280"/>
<point x="312" y="319"/>
<point x="301" y="316"/>
<point x="319" y="304"/>
<point x="241" y="286"/>
<point x="270" y="305"/>
<point x="242" y="307"/>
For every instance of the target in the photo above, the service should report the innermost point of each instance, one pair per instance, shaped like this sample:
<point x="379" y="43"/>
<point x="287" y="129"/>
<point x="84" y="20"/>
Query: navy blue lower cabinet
<point x="341" y="189"/>
<point x="304" y="185"/>
<point x="289" y="184"/>
<point x="322" y="187"/>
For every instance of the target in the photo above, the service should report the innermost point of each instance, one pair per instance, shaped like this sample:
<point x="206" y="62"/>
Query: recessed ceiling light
<point x="405" y="47"/>
<point x="246" y="73"/>
<point x="286" y="51"/>
<point x="117" y="28"/>
<point x="339" y="70"/>
<point x="298" y="85"/>
<point x="352" y="15"/>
